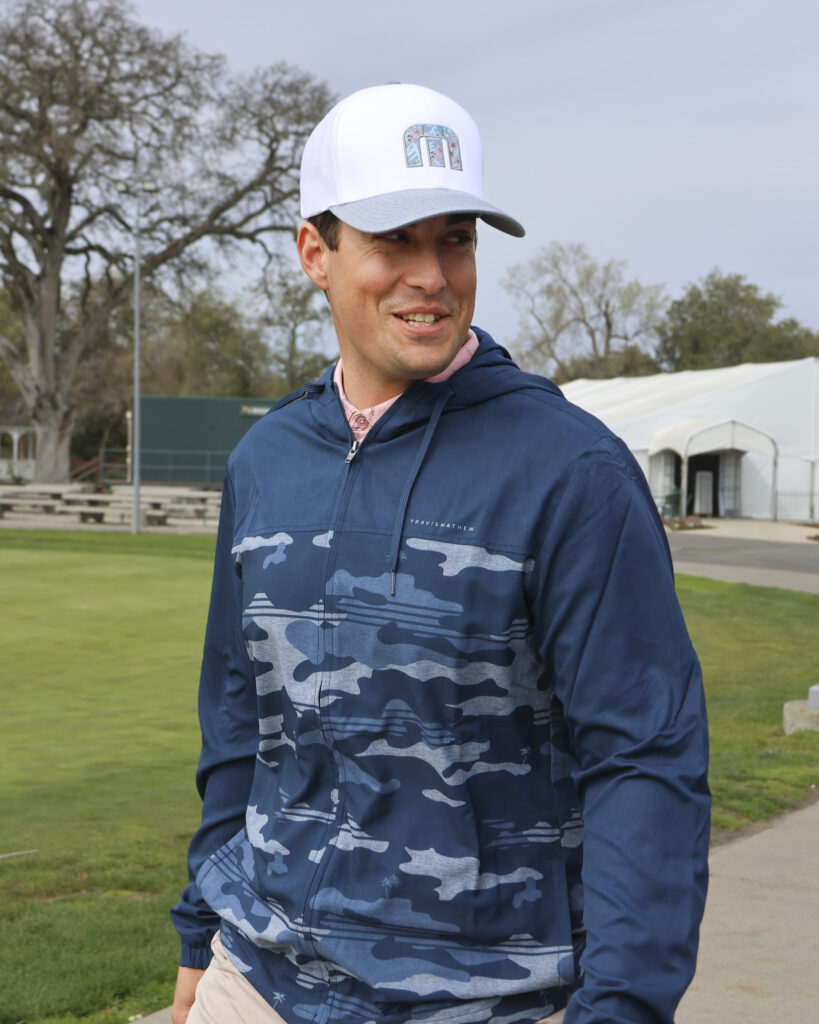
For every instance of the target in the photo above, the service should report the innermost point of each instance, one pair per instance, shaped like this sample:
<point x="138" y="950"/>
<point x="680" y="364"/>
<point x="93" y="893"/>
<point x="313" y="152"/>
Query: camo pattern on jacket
<point x="423" y="656"/>
<point x="395" y="731"/>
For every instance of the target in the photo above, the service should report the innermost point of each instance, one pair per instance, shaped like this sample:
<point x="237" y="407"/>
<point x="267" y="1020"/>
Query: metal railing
<point x="801" y="506"/>
<point x="113" y="466"/>
<point x="791" y="506"/>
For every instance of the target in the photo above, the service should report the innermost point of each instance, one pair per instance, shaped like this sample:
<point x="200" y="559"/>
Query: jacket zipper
<point x="321" y="867"/>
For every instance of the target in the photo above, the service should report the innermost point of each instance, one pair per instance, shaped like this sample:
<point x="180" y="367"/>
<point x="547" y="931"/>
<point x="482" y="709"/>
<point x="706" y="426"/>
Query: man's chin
<point x="423" y="369"/>
<point x="428" y="356"/>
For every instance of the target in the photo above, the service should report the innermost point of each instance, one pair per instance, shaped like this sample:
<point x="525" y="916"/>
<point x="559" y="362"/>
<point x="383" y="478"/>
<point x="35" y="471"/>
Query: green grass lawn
<point x="101" y="637"/>
<point x="759" y="647"/>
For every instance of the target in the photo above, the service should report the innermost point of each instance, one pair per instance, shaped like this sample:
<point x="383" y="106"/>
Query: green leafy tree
<point x="209" y="347"/>
<point x="725" y="320"/>
<point x="91" y="100"/>
<point x="579" y="317"/>
<point x="204" y="345"/>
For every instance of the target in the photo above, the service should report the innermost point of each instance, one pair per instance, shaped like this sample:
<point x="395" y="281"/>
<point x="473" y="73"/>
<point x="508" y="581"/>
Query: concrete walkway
<point x="757" y="529"/>
<point x="759" y="947"/>
<point x="782" y="578"/>
<point x="164" y="1017"/>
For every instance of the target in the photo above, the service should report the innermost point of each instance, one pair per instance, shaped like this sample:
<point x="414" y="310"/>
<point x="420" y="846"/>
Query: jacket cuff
<point x="195" y="956"/>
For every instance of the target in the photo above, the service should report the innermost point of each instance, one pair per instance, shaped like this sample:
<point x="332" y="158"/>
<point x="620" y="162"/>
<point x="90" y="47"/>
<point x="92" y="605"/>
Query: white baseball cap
<point x="395" y="154"/>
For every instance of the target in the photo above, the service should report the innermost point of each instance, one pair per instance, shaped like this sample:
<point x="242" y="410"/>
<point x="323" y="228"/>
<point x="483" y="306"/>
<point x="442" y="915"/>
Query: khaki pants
<point x="225" y="996"/>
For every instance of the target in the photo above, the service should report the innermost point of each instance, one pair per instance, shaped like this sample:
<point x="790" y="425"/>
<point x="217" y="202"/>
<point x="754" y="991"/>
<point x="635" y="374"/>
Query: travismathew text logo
<point x="443" y="526"/>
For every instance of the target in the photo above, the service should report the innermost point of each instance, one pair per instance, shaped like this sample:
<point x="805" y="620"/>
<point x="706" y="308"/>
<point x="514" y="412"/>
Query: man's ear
<point x="313" y="255"/>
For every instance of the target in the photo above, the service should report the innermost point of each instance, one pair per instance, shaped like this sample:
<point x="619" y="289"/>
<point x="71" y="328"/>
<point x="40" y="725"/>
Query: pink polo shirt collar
<point x="361" y="420"/>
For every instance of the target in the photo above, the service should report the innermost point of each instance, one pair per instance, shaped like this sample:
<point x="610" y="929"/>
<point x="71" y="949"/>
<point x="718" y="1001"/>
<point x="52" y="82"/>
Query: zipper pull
<point x="352" y="452"/>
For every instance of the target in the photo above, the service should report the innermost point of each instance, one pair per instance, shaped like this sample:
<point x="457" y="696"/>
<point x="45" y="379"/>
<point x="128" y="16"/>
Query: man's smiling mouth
<point x="420" y="318"/>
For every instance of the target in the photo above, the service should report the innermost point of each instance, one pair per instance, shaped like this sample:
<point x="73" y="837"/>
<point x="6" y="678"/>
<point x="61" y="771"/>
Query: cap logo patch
<point x="436" y="135"/>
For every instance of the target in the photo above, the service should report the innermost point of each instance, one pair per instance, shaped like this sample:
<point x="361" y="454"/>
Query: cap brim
<point x="396" y="209"/>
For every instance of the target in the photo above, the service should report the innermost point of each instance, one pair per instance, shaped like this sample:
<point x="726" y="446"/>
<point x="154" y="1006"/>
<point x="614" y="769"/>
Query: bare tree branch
<point x="90" y="98"/>
<point x="581" y="316"/>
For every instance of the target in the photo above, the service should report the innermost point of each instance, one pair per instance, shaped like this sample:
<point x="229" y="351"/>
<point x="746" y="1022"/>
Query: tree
<point x="576" y="312"/>
<point x="298" y="316"/>
<point x="89" y="100"/>
<point x="102" y="389"/>
<point x="205" y="344"/>
<point x="723" y="321"/>
<point x="629" y="361"/>
<point x="8" y="389"/>
<point x="11" y="326"/>
<point x="208" y="346"/>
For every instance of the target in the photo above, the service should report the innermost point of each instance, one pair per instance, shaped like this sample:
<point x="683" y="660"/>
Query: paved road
<point x="701" y="546"/>
<point x="790" y="565"/>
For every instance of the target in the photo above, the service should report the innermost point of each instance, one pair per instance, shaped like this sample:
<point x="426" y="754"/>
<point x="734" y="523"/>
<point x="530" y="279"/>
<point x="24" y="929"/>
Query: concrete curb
<point x="782" y="578"/>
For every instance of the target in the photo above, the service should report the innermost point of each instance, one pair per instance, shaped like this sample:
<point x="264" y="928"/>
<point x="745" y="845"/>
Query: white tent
<point x="739" y="440"/>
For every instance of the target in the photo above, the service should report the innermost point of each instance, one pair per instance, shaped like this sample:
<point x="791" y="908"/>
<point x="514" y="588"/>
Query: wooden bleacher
<point x="159" y="506"/>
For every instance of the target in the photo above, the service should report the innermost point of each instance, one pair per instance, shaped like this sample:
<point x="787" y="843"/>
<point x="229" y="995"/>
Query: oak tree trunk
<point x="54" y="421"/>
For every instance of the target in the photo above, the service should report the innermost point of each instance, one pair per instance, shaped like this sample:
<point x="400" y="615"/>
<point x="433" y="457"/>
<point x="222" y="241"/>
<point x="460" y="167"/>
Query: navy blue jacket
<point x="454" y="742"/>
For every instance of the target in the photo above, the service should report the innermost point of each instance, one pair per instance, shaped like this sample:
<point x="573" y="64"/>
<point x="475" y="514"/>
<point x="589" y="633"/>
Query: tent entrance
<point x="707" y="456"/>
<point x="713" y="483"/>
<point x="703" y="484"/>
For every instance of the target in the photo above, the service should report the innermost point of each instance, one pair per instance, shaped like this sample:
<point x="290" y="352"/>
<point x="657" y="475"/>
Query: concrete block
<point x="800" y="716"/>
<point x="813" y="696"/>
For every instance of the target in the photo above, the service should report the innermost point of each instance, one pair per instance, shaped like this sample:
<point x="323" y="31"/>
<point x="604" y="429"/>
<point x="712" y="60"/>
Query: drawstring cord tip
<point x="392" y="588"/>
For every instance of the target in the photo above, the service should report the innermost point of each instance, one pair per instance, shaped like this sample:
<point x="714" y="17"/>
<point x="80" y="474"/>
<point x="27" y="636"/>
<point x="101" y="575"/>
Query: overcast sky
<point x="678" y="135"/>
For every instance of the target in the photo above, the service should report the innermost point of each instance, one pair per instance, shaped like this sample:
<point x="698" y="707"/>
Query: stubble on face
<point x="402" y="303"/>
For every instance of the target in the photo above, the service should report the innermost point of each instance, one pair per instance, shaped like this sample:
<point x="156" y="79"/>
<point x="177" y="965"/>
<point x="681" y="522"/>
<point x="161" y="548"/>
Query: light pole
<point x="137" y="189"/>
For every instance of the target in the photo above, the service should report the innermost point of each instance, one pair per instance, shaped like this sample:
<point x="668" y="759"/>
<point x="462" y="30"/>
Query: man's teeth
<point x="420" y="318"/>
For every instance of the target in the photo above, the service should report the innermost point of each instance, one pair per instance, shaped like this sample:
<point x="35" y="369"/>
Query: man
<point x="454" y="744"/>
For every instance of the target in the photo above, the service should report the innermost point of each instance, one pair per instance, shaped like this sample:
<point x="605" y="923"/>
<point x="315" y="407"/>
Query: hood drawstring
<point x="398" y="528"/>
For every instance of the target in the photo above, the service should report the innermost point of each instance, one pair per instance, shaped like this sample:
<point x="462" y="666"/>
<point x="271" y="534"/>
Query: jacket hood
<point x="472" y="384"/>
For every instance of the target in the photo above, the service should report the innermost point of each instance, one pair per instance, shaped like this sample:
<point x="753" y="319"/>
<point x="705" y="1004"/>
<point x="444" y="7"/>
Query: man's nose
<point x="425" y="270"/>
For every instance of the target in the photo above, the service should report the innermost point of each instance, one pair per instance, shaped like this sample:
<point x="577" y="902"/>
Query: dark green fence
<point x="188" y="440"/>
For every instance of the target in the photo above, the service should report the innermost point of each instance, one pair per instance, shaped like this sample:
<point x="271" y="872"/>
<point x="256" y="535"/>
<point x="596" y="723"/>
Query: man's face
<point x="402" y="301"/>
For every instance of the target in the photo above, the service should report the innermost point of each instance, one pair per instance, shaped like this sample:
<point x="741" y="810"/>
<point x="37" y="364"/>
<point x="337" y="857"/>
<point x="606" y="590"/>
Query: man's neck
<point x="364" y="391"/>
<point x="362" y="417"/>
